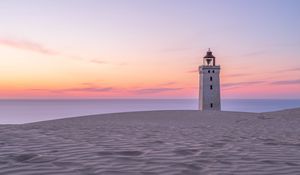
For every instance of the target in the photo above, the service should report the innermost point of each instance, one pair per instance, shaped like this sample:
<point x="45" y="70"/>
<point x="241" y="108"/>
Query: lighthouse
<point x="209" y="83"/>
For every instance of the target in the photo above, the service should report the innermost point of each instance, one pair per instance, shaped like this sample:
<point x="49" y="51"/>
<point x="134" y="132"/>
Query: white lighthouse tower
<point x="209" y="88"/>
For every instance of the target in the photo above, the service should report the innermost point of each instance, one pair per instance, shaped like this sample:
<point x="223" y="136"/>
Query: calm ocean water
<point x="25" y="111"/>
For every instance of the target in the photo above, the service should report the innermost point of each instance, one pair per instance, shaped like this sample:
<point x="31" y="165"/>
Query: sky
<point x="148" y="49"/>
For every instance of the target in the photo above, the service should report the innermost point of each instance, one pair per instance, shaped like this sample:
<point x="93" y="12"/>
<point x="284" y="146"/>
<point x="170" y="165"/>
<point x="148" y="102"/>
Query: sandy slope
<point x="157" y="142"/>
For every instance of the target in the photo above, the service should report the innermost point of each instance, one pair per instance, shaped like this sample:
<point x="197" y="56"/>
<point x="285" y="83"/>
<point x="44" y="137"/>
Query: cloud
<point x="236" y="75"/>
<point x="98" y="61"/>
<point x="106" y="89"/>
<point x="286" y="82"/>
<point x="122" y="64"/>
<point x="291" y="70"/>
<point x="167" y="83"/>
<point x="83" y="89"/>
<point x="27" y="45"/>
<point x="88" y="84"/>
<point x="40" y="48"/>
<point x="155" y="90"/>
<point x="48" y="90"/>
<point x="230" y="85"/>
<point x="192" y="71"/>
<point x="90" y="89"/>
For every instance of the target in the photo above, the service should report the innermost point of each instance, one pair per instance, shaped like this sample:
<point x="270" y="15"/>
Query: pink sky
<point x="152" y="49"/>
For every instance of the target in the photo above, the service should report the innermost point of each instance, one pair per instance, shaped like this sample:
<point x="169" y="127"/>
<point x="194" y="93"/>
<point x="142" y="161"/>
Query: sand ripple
<point x="161" y="142"/>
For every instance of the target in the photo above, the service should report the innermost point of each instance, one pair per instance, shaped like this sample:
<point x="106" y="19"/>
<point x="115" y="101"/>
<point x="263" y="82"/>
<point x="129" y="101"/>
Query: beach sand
<point x="155" y="142"/>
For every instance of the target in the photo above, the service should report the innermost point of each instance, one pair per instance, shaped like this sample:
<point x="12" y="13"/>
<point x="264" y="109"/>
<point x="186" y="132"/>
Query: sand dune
<point x="155" y="142"/>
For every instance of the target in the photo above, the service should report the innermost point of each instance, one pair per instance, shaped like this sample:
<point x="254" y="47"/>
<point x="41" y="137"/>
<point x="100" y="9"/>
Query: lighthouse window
<point x="208" y="71"/>
<point x="211" y="105"/>
<point x="211" y="87"/>
<point x="210" y="78"/>
<point x="213" y="71"/>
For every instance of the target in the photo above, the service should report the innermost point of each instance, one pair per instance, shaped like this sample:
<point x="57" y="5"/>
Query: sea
<point x="27" y="111"/>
